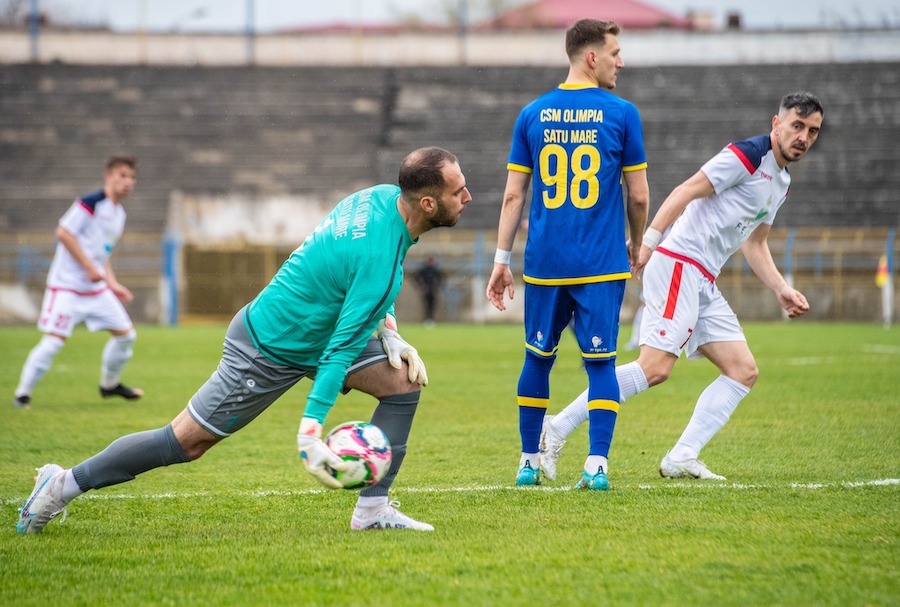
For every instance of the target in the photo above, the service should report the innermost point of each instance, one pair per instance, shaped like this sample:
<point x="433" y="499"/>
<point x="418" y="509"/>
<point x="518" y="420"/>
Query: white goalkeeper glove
<point x="316" y="455"/>
<point x="398" y="349"/>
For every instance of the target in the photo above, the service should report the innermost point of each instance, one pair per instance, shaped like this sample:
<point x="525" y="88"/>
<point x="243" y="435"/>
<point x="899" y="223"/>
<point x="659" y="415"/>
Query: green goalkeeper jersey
<point x="325" y="301"/>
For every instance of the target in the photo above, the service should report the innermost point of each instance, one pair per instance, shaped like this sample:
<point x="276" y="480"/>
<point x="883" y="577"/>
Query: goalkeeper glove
<point x="398" y="349"/>
<point x="316" y="456"/>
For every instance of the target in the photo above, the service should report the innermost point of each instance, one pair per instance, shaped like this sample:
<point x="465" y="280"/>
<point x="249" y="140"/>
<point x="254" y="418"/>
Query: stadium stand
<point x="317" y="133"/>
<point x="324" y="131"/>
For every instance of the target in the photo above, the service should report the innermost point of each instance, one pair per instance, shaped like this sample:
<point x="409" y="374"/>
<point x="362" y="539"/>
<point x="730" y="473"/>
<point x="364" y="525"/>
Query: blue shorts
<point x="595" y="308"/>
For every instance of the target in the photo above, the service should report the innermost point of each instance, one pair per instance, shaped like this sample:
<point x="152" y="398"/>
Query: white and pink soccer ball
<point x="366" y="447"/>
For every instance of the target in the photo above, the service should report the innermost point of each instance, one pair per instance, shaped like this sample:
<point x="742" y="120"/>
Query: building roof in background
<point x="560" y="14"/>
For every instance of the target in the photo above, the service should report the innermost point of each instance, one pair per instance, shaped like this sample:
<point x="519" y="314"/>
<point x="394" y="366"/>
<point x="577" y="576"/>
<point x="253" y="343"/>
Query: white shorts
<point x="684" y="308"/>
<point x="62" y="310"/>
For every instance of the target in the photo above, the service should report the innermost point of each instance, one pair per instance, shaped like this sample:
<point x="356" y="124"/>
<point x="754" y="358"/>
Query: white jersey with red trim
<point x="750" y="188"/>
<point x="97" y="222"/>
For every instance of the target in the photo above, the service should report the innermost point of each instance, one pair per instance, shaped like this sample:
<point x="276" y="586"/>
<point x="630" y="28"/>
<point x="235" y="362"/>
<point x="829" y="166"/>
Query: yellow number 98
<point x="554" y="167"/>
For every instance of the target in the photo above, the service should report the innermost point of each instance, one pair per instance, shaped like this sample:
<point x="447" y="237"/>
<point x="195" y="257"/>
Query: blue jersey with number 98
<point x="576" y="141"/>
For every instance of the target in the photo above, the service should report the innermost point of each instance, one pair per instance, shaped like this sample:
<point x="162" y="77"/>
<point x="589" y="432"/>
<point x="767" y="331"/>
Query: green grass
<point x="799" y="521"/>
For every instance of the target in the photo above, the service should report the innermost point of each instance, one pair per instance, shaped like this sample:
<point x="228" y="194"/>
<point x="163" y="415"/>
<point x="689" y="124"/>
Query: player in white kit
<point x="729" y="204"/>
<point x="81" y="285"/>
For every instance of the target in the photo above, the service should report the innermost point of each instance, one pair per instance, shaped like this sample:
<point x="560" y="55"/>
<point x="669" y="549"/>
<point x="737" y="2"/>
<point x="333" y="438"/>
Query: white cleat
<point x="45" y="501"/>
<point x="689" y="468"/>
<point x="551" y="446"/>
<point x="385" y="517"/>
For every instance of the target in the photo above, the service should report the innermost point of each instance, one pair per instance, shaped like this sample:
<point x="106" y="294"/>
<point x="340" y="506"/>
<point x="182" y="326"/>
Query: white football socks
<point x="631" y="380"/>
<point x="71" y="490"/>
<point x="39" y="361"/>
<point x="116" y="354"/>
<point x="533" y="459"/>
<point x="363" y="502"/>
<point x="713" y="409"/>
<point x="594" y="463"/>
<point x="575" y="414"/>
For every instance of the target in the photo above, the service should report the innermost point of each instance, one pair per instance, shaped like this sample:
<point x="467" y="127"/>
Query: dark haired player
<point x="327" y="314"/>
<point x="574" y="146"/>
<point x="729" y="204"/>
<point x="82" y="288"/>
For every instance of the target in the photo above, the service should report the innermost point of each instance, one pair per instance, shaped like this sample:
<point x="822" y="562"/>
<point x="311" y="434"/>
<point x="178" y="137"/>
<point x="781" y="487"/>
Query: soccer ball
<point x="367" y="447"/>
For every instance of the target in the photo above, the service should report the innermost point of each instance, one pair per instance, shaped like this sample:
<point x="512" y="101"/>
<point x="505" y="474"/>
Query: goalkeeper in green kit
<point x="327" y="315"/>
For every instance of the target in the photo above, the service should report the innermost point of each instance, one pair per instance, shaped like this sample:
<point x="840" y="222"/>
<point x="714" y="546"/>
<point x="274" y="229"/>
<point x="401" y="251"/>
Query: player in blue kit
<point x="729" y="204"/>
<point x="327" y="314"/>
<point x="575" y="146"/>
<point x="82" y="288"/>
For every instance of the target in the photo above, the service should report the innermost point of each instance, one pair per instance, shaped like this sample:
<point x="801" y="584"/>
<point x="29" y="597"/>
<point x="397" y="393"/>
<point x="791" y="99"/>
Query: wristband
<point x="652" y="238"/>
<point x="503" y="257"/>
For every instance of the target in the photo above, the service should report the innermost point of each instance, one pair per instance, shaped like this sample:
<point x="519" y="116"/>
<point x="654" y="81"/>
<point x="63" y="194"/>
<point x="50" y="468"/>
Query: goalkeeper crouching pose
<point x="328" y="315"/>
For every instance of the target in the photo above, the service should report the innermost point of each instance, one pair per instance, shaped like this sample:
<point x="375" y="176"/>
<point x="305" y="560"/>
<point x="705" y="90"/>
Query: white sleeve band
<point x="652" y="238"/>
<point x="503" y="257"/>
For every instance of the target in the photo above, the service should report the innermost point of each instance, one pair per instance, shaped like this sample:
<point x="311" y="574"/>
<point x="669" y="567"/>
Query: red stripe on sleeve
<point x="746" y="161"/>
<point x="674" y="287"/>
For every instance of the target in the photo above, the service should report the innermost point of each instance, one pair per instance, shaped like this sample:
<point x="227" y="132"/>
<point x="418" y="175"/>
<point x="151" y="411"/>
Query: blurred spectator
<point x="428" y="279"/>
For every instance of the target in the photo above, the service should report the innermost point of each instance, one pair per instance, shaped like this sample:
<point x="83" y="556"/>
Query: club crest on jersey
<point x="540" y="337"/>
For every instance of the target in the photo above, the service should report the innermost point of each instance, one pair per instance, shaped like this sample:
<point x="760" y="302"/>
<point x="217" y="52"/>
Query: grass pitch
<point x="809" y="515"/>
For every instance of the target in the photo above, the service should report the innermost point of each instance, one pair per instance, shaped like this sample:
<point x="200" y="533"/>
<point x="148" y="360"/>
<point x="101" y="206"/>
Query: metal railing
<point x="835" y="267"/>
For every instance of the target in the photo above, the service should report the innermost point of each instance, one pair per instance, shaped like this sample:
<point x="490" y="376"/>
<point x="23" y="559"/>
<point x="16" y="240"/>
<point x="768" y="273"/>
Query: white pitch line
<point x="808" y="361"/>
<point x="483" y="488"/>
<point x="880" y="349"/>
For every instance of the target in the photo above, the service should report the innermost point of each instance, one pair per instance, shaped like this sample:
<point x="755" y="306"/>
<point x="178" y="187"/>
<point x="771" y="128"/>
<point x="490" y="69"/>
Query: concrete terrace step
<point x="306" y="131"/>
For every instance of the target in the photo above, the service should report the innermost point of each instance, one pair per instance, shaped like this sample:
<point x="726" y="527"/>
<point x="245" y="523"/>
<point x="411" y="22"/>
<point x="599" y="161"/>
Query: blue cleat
<point x="528" y="475"/>
<point x="597" y="482"/>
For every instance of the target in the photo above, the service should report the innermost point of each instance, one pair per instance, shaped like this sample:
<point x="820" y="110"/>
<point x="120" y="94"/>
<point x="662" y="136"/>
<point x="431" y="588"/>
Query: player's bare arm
<point x="696" y="186"/>
<point x="70" y="242"/>
<point x="120" y="291"/>
<point x="638" y="207"/>
<point x="759" y="257"/>
<point x="510" y="217"/>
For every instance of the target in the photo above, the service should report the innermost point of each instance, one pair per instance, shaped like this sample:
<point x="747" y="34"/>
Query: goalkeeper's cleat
<point x="45" y="502"/>
<point x="121" y="390"/>
<point x="551" y="446"/>
<point x="689" y="468"/>
<point x="385" y="516"/>
<point x="22" y="402"/>
<point x="528" y="475"/>
<point x="596" y="482"/>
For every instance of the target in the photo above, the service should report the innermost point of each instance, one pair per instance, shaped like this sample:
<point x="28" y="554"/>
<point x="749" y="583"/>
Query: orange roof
<point x="629" y="14"/>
